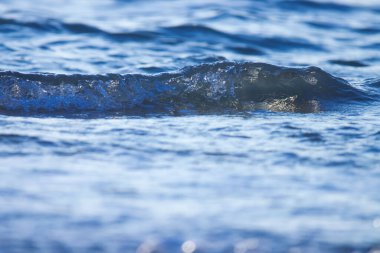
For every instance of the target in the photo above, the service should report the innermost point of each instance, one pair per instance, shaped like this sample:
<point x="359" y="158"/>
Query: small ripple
<point x="225" y="154"/>
<point x="350" y="63"/>
<point x="372" y="46"/>
<point x="283" y="44"/>
<point x="368" y="30"/>
<point x="205" y="33"/>
<point x="60" y="247"/>
<point x="4" y="48"/>
<point x="199" y="59"/>
<point x="195" y="29"/>
<point x="311" y="136"/>
<point x="9" y="192"/>
<point x="52" y="25"/>
<point x="351" y="134"/>
<point x="246" y="50"/>
<point x="114" y="191"/>
<point x="287" y="126"/>
<point x="116" y="36"/>
<point x="324" y="25"/>
<point x="345" y="163"/>
<point x="28" y="214"/>
<point x="19" y="139"/>
<point x="375" y="84"/>
<point x="81" y="28"/>
<point x="85" y="223"/>
<point x="310" y="211"/>
<point x="349" y="128"/>
<point x="375" y="150"/>
<point x="314" y="5"/>
<point x="236" y="136"/>
<point x="48" y="25"/>
<point x="153" y="70"/>
<point x="48" y="172"/>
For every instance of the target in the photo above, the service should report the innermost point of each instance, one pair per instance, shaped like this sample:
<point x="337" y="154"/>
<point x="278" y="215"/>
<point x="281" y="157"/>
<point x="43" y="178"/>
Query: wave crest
<point x="219" y="87"/>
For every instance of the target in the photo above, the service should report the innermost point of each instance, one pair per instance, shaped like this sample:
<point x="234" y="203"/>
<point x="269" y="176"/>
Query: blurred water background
<point x="147" y="126"/>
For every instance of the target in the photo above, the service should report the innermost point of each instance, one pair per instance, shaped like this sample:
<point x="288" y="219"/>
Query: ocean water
<point x="189" y="126"/>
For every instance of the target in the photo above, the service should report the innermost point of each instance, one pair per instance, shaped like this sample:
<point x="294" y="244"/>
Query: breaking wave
<point x="217" y="87"/>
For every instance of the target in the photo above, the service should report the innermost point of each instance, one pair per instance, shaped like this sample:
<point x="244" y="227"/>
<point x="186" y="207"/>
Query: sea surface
<point x="189" y="126"/>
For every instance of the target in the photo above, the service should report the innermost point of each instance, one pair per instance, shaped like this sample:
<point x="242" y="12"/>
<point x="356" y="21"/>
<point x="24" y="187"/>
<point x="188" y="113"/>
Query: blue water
<point x="189" y="126"/>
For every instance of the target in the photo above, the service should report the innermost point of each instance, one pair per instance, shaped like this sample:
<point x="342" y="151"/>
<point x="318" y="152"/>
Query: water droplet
<point x="188" y="247"/>
<point x="376" y="223"/>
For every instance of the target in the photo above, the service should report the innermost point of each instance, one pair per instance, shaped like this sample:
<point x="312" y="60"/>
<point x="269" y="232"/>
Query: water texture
<point x="189" y="126"/>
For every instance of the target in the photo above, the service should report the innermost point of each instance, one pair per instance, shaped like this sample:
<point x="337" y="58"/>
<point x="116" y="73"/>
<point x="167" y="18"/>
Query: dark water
<point x="189" y="126"/>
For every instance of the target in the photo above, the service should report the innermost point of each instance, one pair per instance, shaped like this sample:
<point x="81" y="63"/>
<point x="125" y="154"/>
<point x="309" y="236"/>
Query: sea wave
<point x="217" y="87"/>
<point x="257" y="44"/>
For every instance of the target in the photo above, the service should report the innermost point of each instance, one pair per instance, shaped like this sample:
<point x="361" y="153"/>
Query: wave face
<point x="220" y="87"/>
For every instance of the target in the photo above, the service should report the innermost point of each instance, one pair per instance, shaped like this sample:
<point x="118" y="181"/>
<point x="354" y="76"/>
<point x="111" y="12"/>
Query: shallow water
<point x="149" y="126"/>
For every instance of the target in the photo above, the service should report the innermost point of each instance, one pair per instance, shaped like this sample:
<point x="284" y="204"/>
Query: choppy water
<point x="189" y="126"/>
